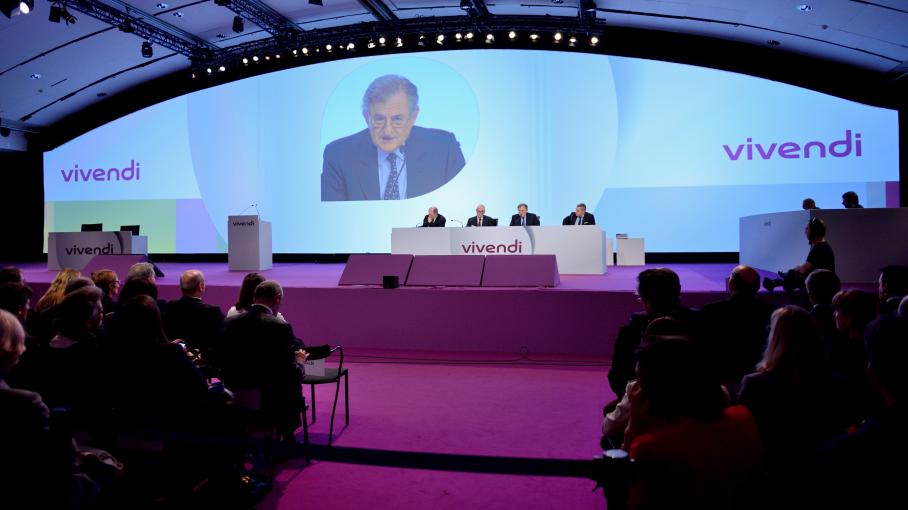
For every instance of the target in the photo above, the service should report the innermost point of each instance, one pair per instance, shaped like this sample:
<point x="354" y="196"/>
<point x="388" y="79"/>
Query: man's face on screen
<point x="390" y="122"/>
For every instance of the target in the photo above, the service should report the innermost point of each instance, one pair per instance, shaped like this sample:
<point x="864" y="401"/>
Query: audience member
<point x="822" y="285"/>
<point x="850" y="200"/>
<point x="862" y="470"/>
<point x="36" y="464"/>
<point x="244" y="301"/>
<point x="659" y="290"/>
<point x="191" y="320"/>
<point x="259" y="351"/>
<point x="15" y="298"/>
<point x="794" y="398"/>
<point x="153" y="381"/>
<point x="70" y="369"/>
<point x="808" y="204"/>
<point x="854" y="310"/>
<point x="893" y="287"/>
<point x="11" y="274"/>
<point x="78" y="283"/>
<point x="109" y="283"/>
<point x="690" y="450"/>
<point x="734" y="330"/>
<point x="40" y="321"/>
<point x="820" y="256"/>
<point x="141" y="271"/>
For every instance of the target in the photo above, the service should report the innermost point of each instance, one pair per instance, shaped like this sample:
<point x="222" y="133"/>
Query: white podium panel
<point x="578" y="250"/>
<point x="631" y="251"/>
<point x="863" y="240"/>
<point x="248" y="243"/>
<point x="76" y="249"/>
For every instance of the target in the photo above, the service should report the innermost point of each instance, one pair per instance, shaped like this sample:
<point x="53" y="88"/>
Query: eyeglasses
<point x="380" y="121"/>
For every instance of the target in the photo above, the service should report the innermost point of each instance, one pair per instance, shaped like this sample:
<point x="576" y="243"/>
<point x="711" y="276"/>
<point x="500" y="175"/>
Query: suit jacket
<point x="532" y="220"/>
<point x="257" y="351"/>
<point x="487" y="221"/>
<point x="350" y="165"/>
<point x="439" y="221"/>
<point x="588" y="219"/>
<point x="195" y="322"/>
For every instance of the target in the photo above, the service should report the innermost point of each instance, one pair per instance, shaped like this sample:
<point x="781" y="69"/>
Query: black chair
<point x="259" y="422"/>
<point x="92" y="227"/>
<point x="130" y="228"/>
<point x="332" y="375"/>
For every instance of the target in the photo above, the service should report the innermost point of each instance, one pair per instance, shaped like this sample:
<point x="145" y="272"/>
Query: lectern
<point x="248" y="243"/>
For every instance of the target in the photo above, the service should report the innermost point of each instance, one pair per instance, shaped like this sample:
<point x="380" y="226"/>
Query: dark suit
<point x="257" y="351"/>
<point x="571" y="219"/>
<point x="197" y="323"/>
<point x="532" y="220"/>
<point x="734" y="333"/>
<point x="350" y="165"/>
<point x="439" y="221"/>
<point x="487" y="221"/>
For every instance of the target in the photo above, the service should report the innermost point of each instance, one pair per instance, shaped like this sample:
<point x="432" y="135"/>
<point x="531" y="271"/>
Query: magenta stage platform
<point x="580" y="316"/>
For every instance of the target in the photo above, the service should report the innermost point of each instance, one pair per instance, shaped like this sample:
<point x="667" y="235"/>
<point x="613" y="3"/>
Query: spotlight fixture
<point x="56" y="13"/>
<point x="319" y="3"/>
<point x="11" y="8"/>
<point x="382" y="41"/>
<point x="594" y="40"/>
<point x="34" y="76"/>
<point x="68" y="18"/>
<point x="305" y="51"/>
<point x="277" y="56"/>
<point x="328" y="47"/>
<point x="178" y="14"/>
<point x="466" y="5"/>
<point x="245" y="61"/>
<point x="399" y="42"/>
<point x="558" y="37"/>
<point x="773" y="42"/>
<point x="26" y="6"/>
<point x="804" y="7"/>
<point x="458" y="36"/>
<point x="221" y="69"/>
<point x="255" y="58"/>
<point x="147" y="50"/>
<point x="238" y="24"/>
<point x="421" y="42"/>
<point x="370" y="44"/>
<point x="208" y="70"/>
<point x="588" y="7"/>
<point x="161" y="5"/>
<point x="572" y="41"/>
<point x="351" y="46"/>
<point x="534" y="37"/>
<point x="295" y="53"/>
<point x="126" y="27"/>
<point x="267" y="57"/>
<point x="512" y="35"/>
<point x="490" y="38"/>
<point x="440" y="39"/>
<point x="468" y="36"/>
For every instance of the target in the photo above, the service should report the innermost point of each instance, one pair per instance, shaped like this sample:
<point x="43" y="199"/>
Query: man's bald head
<point x="744" y="281"/>
<point x="192" y="283"/>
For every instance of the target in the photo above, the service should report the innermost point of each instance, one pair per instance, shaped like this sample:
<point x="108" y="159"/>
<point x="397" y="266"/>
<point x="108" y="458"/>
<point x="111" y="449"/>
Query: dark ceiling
<point x="58" y="79"/>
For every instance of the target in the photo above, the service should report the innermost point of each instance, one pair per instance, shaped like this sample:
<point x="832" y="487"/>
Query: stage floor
<point x="694" y="277"/>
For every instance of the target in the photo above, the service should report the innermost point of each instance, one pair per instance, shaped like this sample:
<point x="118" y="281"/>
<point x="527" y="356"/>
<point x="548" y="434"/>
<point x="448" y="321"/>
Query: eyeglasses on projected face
<point x="380" y="121"/>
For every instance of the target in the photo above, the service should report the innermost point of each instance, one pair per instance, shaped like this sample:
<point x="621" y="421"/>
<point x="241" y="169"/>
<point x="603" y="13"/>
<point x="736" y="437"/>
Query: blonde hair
<point x="12" y="340"/>
<point x="57" y="289"/>
<point x="796" y="348"/>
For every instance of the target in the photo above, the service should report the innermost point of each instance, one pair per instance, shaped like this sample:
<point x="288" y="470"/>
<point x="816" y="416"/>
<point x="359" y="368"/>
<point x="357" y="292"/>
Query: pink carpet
<point x="525" y="410"/>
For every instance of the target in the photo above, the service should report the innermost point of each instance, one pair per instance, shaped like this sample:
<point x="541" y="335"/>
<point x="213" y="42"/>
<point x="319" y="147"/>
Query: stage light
<point x="255" y="58"/>
<point x="26" y="6"/>
<point x="319" y="3"/>
<point x="329" y="47"/>
<point x="572" y="41"/>
<point x="588" y="7"/>
<point x="126" y="27"/>
<point x="512" y="35"/>
<point x="56" y="12"/>
<point x="440" y="39"/>
<point x="68" y="18"/>
<point x="594" y="40"/>
<point x="277" y="55"/>
<point x="400" y="42"/>
<point x="267" y="57"/>
<point x="305" y="50"/>
<point x="382" y="41"/>
<point x="208" y="70"/>
<point x="469" y="36"/>
<point x="245" y="61"/>
<point x="351" y="46"/>
<point x="558" y="37"/>
<point x="238" y="24"/>
<point x="221" y="69"/>
<point x="458" y="36"/>
<point x="421" y="42"/>
<point x="534" y="37"/>
<point x="466" y="5"/>
<point x="147" y="50"/>
<point x="490" y="38"/>
<point x="13" y="7"/>
<point x="370" y="44"/>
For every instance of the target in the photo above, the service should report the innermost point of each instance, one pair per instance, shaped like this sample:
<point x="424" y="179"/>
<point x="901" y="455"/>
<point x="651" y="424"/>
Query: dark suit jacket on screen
<point x="532" y="220"/>
<point x="439" y="221"/>
<point x="487" y="221"/>
<point x="350" y="166"/>
<point x="588" y="219"/>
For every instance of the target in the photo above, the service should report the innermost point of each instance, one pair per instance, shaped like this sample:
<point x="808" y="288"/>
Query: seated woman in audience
<point x="109" y="283"/>
<point x="71" y="361"/>
<point x="690" y="450"/>
<point x="41" y="319"/>
<point x="36" y="465"/>
<point x="794" y="398"/>
<point x="247" y="290"/>
<point x="153" y="380"/>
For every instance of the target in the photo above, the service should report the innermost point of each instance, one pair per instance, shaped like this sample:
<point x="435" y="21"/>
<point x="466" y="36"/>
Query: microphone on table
<point x="458" y="221"/>
<point x="250" y="206"/>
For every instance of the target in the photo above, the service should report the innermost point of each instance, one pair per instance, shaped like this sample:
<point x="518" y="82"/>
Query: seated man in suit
<point x="579" y="216"/>
<point x="433" y="219"/>
<point x="259" y="351"/>
<point x="481" y="220"/>
<point x="391" y="159"/>
<point x="191" y="320"/>
<point x="524" y="218"/>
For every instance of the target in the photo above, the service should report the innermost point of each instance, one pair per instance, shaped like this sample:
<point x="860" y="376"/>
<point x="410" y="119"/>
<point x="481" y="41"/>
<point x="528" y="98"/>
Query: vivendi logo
<point x="791" y="150"/>
<point x="473" y="247"/>
<point x="76" y="174"/>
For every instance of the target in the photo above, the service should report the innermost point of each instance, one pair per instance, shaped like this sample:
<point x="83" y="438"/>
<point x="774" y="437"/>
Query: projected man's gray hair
<point x="382" y="88"/>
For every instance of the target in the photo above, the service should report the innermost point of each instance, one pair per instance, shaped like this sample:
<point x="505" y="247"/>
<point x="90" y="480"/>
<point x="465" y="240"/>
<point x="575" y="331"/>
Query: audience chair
<point x="332" y="375"/>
